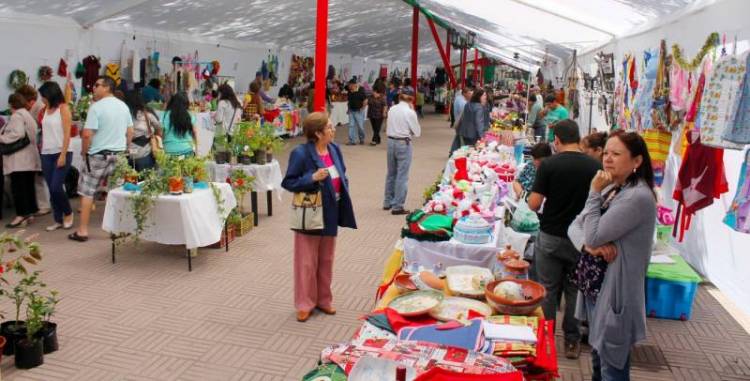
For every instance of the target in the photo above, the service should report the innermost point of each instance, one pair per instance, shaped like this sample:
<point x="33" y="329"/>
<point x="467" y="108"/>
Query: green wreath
<point x="17" y="79"/>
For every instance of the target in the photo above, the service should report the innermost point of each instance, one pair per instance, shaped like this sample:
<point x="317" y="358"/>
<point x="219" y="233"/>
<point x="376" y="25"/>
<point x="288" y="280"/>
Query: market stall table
<point x="267" y="178"/>
<point x="191" y="219"/>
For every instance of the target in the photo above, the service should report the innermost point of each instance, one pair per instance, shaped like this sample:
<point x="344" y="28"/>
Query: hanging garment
<point x="643" y="102"/>
<point x="738" y="216"/>
<point x="738" y="130"/>
<point x="112" y="70"/>
<point x="135" y="68"/>
<point x="700" y="180"/>
<point x="720" y="100"/>
<point x="62" y="68"/>
<point x="678" y="91"/>
<point x="91" y="67"/>
<point x="658" y="142"/>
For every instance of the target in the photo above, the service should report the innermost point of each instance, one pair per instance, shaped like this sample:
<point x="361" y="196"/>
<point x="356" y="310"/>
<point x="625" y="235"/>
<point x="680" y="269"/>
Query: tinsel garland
<point x="712" y="41"/>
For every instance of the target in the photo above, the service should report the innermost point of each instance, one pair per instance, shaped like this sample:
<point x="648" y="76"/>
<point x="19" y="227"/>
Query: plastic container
<point x="670" y="299"/>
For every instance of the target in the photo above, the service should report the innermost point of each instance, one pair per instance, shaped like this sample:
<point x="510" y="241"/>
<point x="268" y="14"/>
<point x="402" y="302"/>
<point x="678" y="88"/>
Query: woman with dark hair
<point x="253" y="102"/>
<point x="615" y="235"/>
<point x="229" y="110"/>
<point x="315" y="166"/>
<point x="474" y="120"/>
<point x="145" y="125"/>
<point x="180" y="133"/>
<point x="57" y="153"/>
<point x="23" y="164"/>
<point x="593" y="145"/>
<point x="525" y="179"/>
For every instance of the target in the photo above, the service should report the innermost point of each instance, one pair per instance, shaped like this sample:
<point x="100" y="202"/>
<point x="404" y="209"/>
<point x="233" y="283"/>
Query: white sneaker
<point x="54" y="227"/>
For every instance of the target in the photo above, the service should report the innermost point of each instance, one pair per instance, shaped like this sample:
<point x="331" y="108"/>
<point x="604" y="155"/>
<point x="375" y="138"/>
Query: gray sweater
<point x="619" y="316"/>
<point x="473" y="122"/>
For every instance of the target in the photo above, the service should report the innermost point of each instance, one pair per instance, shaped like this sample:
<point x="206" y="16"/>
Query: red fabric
<point x="462" y="172"/>
<point x="62" y="68"/>
<point x="693" y="111"/>
<point x="546" y="353"/>
<point x="271" y="115"/>
<point x="440" y="374"/>
<point x="397" y="321"/>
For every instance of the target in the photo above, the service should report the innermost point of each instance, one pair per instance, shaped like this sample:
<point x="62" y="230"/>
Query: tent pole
<point x="476" y="67"/>
<point x="321" y="50"/>
<point x="449" y="67"/>
<point x="463" y="68"/>
<point x="445" y="59"/>
<point x="414" y="49"/>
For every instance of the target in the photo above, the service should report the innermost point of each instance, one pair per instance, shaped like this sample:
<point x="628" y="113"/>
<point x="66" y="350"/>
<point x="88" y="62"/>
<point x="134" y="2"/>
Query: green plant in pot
<point x="122" y="173"/>
<point x="274" y="147"/>
<point x="221" y="149"/>
<point x="15" y="330"/>
<point x="30" y="349"/>
<point x="48" y="332"/>
<point x="245" y="141"/>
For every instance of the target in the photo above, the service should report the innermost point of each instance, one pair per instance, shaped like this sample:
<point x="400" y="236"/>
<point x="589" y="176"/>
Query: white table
<point x="339" y="113"/>
<point x="453" y="252"/>
<point x="190" y="219"/>
<point x="267" y="179"/>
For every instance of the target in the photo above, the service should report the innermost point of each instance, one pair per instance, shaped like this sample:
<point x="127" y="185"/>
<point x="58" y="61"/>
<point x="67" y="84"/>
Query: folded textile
<point x="441" y="374"/>
<point x="467" y="337"/>
<point x="508" y="332"/>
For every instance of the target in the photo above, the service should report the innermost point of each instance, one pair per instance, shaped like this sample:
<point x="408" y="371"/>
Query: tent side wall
<point x="718" y="252"/>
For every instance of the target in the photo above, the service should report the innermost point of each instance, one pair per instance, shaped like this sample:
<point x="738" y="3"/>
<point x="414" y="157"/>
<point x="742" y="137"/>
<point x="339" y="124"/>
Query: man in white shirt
<point x="402" y="126"/>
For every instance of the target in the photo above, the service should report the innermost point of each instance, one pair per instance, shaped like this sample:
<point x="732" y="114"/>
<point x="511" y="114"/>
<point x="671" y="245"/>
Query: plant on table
<point x="195" y="168"/>
<point x="269" y="143"/>
<point x="241" y="183"/>
<point x="221" y="148"/>
<point x="245" y="140"/>
<point x="122" y="173"/>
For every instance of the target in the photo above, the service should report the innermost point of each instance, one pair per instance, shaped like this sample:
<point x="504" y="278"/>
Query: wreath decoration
<point x="712" y="41"/>
<point x="45" y="73"/>
<point x="17" y="79"/>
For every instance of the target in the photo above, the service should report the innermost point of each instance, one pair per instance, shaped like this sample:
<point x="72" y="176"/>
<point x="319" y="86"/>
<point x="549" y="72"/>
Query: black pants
<point x="376" y="125"/>
<point x="24" y="194"/>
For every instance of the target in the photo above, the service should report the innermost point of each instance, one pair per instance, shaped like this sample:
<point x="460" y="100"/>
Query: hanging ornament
<point x="17" y="79"/>
<point x="215" y="67"/>
<point x="44" y="73"/>
<point x="712" y="41"/>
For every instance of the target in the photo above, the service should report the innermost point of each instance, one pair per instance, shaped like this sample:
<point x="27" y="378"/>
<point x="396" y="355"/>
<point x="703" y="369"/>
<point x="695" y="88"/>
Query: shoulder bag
<point x="154" y="140"/>
<point x="11" y="148"/>
<point x="307" y="211"/>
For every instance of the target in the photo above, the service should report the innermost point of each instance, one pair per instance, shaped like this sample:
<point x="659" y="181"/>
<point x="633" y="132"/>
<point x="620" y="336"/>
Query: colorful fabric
<point x="467" y="337"/>
<point x="642" y="118"/>
<point x="440" y="374"/>
<point x="526" y="178"/>
<point x="325" y="372"/>
<point x="658" y="142"/>
<point x="738" y="216"/>
<point x="720" y="100"/>
<point x="739" y="130"/>
<point x="112" y="70"/>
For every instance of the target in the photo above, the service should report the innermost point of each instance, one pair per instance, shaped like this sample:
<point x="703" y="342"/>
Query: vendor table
<point x="190" y="219"/>
<point x="267" y="178"/>
<point x="339" y="113"/>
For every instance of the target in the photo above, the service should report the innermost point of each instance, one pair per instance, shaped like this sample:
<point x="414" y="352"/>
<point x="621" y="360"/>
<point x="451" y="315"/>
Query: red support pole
<point x="463" y="67"/>
<point x="476" y="66"/>
<point x="321" y="52"/>
<point x="445" y="59"/>
<point x="414" y="49"/>
<point x="448" y="67"/>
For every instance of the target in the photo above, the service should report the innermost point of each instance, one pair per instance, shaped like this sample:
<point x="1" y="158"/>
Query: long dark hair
<point x="477" y="96"/>
<point x="179" y="116"/>
<point x="135" y="102"/>
<point x="52" y="93"/>
<point x="637" y="147"/>
<point x="227" y="93"/>
<point x="595" y="140"/>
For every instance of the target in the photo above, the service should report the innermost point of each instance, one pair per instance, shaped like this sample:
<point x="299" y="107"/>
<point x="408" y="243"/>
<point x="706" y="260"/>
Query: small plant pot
<point x="48" y="334"/>
<point x="12" y="335"/>
<point x="260" y="156"/>
<point x="221" y="157"/>
<point x="29" y="354"/>
<point x="269" y="157"/>
<point x="176" y="185"/>
<point x="233" y="160"/>
<point x="245" y="160"/>
<point x="187" y="184"/>
<point x="132" y="179"/>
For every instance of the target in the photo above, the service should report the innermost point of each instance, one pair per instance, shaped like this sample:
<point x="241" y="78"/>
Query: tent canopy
<point x="381" y="29"/>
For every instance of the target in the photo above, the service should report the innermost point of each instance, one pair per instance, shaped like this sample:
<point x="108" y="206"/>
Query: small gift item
<point x="473" y="229"/>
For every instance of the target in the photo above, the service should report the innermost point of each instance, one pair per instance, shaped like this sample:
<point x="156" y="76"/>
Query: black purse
<point x="11" y="148"/>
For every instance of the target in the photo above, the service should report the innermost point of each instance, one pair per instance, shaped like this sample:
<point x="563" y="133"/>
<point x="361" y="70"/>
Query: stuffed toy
<point x="462" y="172"/>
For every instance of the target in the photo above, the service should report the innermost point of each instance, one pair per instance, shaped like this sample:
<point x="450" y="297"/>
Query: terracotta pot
<point x="508" y="253"/>
<point x="176" y="185"/>
<point x="533" y="292"/>
<point x="516" y="268"/>
<point x="133" y="179"/>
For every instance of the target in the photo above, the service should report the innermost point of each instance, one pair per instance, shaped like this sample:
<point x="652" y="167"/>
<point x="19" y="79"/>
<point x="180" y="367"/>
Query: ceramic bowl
<point x="533" y="292"/>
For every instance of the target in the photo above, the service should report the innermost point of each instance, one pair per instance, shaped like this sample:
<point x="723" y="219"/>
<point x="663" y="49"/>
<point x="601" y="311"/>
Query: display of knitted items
<point x="720" y="100"/>
<point x="658" y="142"/>
<point x="427" y="227"/>
<point x="112" y="70"/>
<point x="712" y="41"/>
<point x="700" y="180"/>
<point x="738" y="131"/>
<point x="17" y="78"/>
<point x="738" y="215"/>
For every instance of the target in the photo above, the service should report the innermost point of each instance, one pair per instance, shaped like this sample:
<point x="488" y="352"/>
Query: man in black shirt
<point x="356" y="101"/>
<point x="562" y="183"/>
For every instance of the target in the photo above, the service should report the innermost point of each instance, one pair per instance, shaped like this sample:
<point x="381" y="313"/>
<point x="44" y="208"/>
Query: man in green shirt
<point x="553" y="112"/>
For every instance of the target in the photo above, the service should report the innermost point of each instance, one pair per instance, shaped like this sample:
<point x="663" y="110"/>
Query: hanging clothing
<point x="738" y="130"/>
<point x="678" y="91"/>
<point x="91" y="67"/>
<point x="642" y="118"/>
<point x="720" y="101"/>
<point x="700" y="180"/>
<point x="738" y="216"/>
<point x="112" y="70"/>
<point x="658" y="142"/>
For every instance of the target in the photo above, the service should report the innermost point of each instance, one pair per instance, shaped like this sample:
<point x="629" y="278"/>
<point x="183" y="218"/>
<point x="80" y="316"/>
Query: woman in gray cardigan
<point x="23" y="164"/>
<point x="615" y="234"/>
<point x="473" y="123"/>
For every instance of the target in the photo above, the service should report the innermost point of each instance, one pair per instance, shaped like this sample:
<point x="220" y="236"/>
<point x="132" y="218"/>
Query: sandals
<point x="20" y="224"/>
<point x="78" y="238"/>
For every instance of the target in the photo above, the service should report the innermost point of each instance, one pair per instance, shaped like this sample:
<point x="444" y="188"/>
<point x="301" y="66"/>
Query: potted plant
<point x="48" y="331"/>
<point x="221" y="149"/>
<point x="16" y="330"/>
<point x="30" y="349"/>
<point x="241" y="183"/>
<point x="275" y="146"/>
<point x="172" y="171"/>
<point x="245" y="141"/>
<point x="123" y="173"/>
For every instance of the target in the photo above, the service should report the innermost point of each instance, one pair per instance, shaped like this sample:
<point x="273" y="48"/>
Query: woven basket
<point x="245" y="225"/>
<point x="228" y="233"/>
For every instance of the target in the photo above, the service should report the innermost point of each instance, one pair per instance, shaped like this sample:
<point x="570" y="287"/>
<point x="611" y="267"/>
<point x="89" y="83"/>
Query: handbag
<point x="307" y="211"/>
<point x="11" y="148"/>
<point x="154" y="140"/>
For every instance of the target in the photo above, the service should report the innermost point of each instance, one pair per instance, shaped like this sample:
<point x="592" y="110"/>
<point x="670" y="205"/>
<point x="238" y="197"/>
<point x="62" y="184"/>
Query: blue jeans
<point x="55" y="178"/>
<point x="601" y="370"/>
<point x="357" y="126"/>
<point x="396" y="181"/>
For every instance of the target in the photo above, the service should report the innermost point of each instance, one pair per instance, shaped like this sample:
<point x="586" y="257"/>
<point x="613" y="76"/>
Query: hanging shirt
<point x="91" y="67"/>
<point x="333" y="173"/>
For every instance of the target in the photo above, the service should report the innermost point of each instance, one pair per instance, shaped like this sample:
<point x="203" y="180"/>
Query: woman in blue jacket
<point x="318" y="165"/>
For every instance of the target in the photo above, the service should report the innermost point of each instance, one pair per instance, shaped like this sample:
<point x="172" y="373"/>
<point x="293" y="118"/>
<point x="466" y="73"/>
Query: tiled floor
<point x="148" y="318"/>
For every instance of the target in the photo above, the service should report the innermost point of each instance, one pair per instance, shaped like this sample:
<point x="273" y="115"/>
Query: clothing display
<point x="738" y="130"/>
<point x="720" y="100"/>
<point x="112" y="70"/>
<point x="738" y="215"/>
<point x="91" y="67"/>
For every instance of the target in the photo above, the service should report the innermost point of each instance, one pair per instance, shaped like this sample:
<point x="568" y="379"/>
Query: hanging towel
<point x="738" y="216"/>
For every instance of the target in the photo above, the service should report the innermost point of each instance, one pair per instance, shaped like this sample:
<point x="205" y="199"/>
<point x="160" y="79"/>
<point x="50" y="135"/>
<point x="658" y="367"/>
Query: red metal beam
<point x="414" y="48"/>
<point x="476" y="66"/>
<point x="446" y="62"/>
<point x="463" y="67"/>
<point x="321" y="52"/>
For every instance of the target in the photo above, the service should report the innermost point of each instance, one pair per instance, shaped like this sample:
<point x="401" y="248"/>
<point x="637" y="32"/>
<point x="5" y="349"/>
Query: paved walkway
<point x="148" y="318"/>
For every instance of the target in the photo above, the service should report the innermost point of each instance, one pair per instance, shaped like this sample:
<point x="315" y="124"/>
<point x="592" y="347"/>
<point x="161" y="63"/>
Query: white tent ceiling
<point x="380" y="28"/>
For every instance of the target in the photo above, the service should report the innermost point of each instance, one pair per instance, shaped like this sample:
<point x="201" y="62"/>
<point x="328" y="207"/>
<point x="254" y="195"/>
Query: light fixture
<point x="471" y="39"/>
<point x="454" y="38"/>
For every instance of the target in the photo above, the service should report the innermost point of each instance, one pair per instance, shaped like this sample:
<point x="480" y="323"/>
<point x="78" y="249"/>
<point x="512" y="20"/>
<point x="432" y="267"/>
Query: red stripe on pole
<point x="463" y="67"/>
<point x="414" y="49"/>
<point x="446" y="62"/>
<point x="449" y="67"/>
<point x="321" y="52"/>
<point x="476" y="66"/>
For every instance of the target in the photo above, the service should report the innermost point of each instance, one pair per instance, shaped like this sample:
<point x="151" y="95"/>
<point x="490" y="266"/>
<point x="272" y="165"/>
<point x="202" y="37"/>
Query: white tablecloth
<point x="267" y="176"/>
<point x="453" y="252"/>
<point x="339" y="113"/>
<point x="189" y="219"/>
